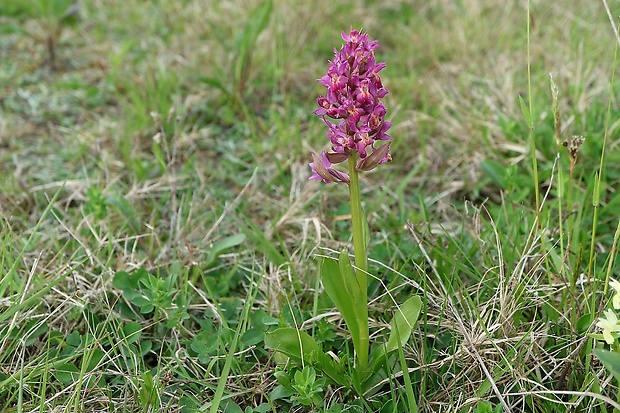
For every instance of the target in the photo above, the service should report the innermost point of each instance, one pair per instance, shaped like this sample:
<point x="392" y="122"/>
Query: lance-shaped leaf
<point x="405" y="318"/>
<point x="342" y="286"/>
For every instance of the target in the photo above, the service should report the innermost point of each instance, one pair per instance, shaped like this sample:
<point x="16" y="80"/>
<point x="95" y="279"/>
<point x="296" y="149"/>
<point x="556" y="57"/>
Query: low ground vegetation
<point x="157" y="221"/>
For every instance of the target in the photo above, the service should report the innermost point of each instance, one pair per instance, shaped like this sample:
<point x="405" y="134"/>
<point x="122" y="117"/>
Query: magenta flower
<point x="353" y="98"/>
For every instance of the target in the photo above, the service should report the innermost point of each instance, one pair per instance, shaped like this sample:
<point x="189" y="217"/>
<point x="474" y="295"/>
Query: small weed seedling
<point x="53" y="17"/>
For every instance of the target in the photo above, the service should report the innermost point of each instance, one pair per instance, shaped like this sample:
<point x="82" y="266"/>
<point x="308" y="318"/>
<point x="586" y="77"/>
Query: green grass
<point x="157" y="219"/>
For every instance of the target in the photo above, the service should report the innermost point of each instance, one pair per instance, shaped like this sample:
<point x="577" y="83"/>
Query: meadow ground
<point x="158" y="222"/>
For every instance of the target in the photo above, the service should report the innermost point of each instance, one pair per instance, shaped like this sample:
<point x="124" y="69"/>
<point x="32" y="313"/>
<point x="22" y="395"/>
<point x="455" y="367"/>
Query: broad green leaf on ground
<point x="302" y="349"/>
<point x="610" y="359"/>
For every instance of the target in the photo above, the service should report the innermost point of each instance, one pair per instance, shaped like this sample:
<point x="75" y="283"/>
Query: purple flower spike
<point x="353" y="99"/>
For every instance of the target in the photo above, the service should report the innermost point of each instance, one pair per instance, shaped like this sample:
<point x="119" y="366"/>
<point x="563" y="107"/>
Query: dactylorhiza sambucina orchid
<point x="355" y="118"/>
<point x="356" y="127"/>
<point x="352" y="110"/>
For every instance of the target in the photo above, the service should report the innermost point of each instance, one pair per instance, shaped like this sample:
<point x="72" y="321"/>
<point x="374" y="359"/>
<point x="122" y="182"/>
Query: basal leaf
<point x="302" y="349"/>
<point x="341" y="285"/>
<point x="405" y="318"/>
<point x="340" y="290"/>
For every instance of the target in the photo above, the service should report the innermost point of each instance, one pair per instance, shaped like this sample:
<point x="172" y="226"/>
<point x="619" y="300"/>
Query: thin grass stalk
<point x="564" y="250"/>
<point x="612" y="256"/>
<point x="411" y="402"/>
<point x="558" y="143"/>
<point x="221" y="385"/>
<point x="597" y="185"/>
<point x="532" y="141"/>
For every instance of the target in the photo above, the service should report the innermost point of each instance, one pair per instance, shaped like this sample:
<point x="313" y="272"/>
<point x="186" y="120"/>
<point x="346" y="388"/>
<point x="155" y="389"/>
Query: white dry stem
<point x="611" y="21"/>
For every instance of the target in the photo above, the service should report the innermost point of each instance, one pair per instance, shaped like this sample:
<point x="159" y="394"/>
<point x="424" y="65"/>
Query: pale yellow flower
<point x="616" y="300"/>
<point x="609" y="325"/>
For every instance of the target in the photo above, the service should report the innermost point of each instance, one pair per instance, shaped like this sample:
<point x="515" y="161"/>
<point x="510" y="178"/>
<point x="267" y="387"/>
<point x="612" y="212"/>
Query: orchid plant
<point x="353" y="111"/>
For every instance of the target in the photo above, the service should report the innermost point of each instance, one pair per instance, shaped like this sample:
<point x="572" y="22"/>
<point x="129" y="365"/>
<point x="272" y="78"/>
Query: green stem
<point x="361" y="261"/>
<point x="357" y="217"/>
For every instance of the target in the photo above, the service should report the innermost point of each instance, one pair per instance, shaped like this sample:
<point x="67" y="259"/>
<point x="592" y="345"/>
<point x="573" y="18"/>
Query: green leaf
<point x="145" y="347"/>
<point x="262" y="408"/>
<point x="125" y="282"/>
<point x="257" y="22"/>
<point x="74" y="339"/>
<point x="280" y="392"/>
<point x="484" y="407"/>
<point x="349" y="296"/>
<point x="229" y="406"/>
<point x="148" y="391"/>
<point x="145" y="305"/>
<point x="126" y="210"/>
<point x="252" y="336"/>
<point x="205" y="342"/>
<point x="496" y="171"/>
<point x="610" y="359"/>
<point x="302" y="349"/>
<point x="222" y="245"/>
<point x="215" y="82"/>
<point x="94" y="358"/>
<point x="270" y="321"/>
<point x="66" y="373"/>
<point x="132" y="331"/>
<point x="188" y="405"/>
<point x="526" y="113"/>
<point x="404" y="320"/>
<point x="584" y="322"/>
<point x="341" y="285"/>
